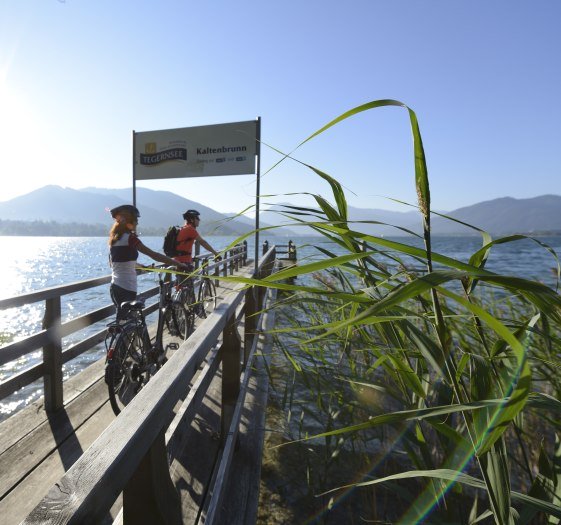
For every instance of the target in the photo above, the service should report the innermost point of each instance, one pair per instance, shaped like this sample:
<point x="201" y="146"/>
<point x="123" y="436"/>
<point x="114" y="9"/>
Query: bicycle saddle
<point x="128" y="306"/>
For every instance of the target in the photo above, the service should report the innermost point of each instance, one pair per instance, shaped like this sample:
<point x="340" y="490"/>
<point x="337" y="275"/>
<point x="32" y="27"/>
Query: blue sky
<point x="484" y="77"/>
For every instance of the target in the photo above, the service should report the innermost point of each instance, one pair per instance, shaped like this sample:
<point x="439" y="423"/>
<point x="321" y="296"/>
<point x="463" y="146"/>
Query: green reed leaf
<point x="458" y="477"/>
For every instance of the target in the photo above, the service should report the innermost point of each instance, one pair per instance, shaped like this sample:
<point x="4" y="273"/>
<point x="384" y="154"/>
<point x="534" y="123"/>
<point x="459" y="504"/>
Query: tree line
<point x="58" y="229"/>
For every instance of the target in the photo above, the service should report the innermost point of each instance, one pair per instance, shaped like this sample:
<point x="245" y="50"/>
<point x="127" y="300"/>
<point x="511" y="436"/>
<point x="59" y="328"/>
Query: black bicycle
<point x="132" y="357"/>
<point x="201" y="302"/>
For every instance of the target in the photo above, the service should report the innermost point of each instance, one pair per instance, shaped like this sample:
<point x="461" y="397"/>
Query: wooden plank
<point x="78" y="323"/>
<point x="222" y="475"/>
<point x="241" y="493"/>
<point x="17" y="504"/>
<point x="59" y="427"/>
<point x="178" y="432"/>
<point x="192" y="470"/>
<point x="13" y="351"/>
<point x="53" y="292"/>
<point x="240" y="503"/>
<point x="30" y="418"/>
<point x="86" y="344"/>
<point x="21" y="379"/>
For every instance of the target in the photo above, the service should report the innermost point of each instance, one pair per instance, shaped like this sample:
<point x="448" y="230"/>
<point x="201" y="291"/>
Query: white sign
<point x="202" y="151"/>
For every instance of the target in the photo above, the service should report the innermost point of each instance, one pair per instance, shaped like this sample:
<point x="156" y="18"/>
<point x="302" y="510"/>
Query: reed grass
<point x="452" y="370"/>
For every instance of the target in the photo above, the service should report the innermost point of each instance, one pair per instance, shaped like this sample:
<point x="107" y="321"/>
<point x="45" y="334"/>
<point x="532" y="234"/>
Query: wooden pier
<point x="167" y="458"/>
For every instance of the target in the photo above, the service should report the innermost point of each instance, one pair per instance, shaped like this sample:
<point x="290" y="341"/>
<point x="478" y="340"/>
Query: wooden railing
<point x="130" y="457"/>
<point x="50" y="338"/>
<point x="284" y="251"/>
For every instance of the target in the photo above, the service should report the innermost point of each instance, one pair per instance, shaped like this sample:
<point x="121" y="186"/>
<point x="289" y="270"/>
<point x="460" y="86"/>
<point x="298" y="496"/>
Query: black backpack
<point x="170" y="242"/>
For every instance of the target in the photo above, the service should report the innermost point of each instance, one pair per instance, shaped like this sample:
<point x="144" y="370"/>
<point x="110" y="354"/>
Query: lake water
<point x="35" y="263"/>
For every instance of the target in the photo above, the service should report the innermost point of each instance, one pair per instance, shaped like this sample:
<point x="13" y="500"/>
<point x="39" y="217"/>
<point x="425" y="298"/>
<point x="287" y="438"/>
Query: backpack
<point x="170" y="241"/>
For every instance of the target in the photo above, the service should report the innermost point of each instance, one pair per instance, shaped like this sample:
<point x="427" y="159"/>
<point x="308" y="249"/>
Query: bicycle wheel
<point x="186" y="295"/>
<point x="178" y="320"/>
<point x="207" y="298"/>
<point x="124" y="370"/>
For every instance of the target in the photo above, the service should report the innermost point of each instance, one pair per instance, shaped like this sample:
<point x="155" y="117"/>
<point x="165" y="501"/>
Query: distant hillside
<point x="89" y="206"/>
<point x="362" y="219"/>
<point x="499" y="217"/>
<point x="506" y="215"/>
<point x="60" y="210"/>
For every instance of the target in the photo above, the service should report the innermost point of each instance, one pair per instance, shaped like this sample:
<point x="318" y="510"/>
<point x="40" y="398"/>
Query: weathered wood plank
<point x="18" y="503"/>
<point x="30" y="418"/>
<point x="192" y="469"/>
<point x="21" y="379"/>
<point x="59" y="427"/>
<point x="53" y="292"/>
<point x="214" y="504"/>
<point x="13" y="351"/>
<point x="241" y="493"/>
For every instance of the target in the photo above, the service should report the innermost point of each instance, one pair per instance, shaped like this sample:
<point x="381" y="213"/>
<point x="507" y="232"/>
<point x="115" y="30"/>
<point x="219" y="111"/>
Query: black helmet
<point x="191" y="214"/>
<point x="125" y="208"/>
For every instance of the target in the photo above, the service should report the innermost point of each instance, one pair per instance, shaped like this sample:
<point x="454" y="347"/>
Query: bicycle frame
<point x="190" y="295"/>
<point x="164" y="302"/>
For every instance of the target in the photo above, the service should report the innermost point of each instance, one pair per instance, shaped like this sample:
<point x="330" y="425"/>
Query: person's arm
<point x="160" y="257"/>
<point x="207" y="246"/>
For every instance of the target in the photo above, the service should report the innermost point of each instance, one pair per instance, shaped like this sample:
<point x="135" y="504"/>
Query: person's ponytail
<point x="120" y="227"/>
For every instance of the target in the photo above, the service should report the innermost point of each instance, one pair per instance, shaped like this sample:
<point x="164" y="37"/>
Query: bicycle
<point x="205" y="302"/>
<point x="132" y="357"/>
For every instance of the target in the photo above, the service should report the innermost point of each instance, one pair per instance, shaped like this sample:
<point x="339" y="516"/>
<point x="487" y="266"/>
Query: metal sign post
<point x="257" y="190"/>
<point x="133" y="169"/>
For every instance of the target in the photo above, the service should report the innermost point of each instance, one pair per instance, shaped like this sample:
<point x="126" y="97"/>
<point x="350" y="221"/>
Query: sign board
<point x="201" y="151"/>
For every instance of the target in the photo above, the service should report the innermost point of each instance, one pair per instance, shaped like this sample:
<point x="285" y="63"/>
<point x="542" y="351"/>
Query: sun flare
<point x="23" y="142"/>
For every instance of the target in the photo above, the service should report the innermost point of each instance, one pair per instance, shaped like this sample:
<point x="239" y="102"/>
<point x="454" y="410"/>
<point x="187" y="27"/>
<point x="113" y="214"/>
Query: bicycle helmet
<point x="125" y="208"/>
<point x="191" y="214"/>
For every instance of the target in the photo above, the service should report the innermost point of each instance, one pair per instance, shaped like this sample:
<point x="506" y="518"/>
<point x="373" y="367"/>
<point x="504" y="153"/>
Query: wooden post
<point x="231" y="371"/>
<point x="250" y="321"/>
<point x="271" y="266"/>
<point x="52" y="356"/>
<point x="150" y="495"/>
<point x="216" y="274"/>
<point x="244" y="253"/>
<point x="291" y="251"/>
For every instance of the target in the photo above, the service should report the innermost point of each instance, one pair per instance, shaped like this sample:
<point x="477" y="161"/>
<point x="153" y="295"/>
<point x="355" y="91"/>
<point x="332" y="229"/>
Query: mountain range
<point x="160" y="209"/>
<point x="90" y="206"/>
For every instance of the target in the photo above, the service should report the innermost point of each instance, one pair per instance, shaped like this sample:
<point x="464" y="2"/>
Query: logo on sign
<point x="152" y="156"/>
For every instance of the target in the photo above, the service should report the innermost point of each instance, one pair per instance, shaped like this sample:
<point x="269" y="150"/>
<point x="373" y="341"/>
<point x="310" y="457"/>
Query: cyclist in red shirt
<point x="186" y="237"/>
